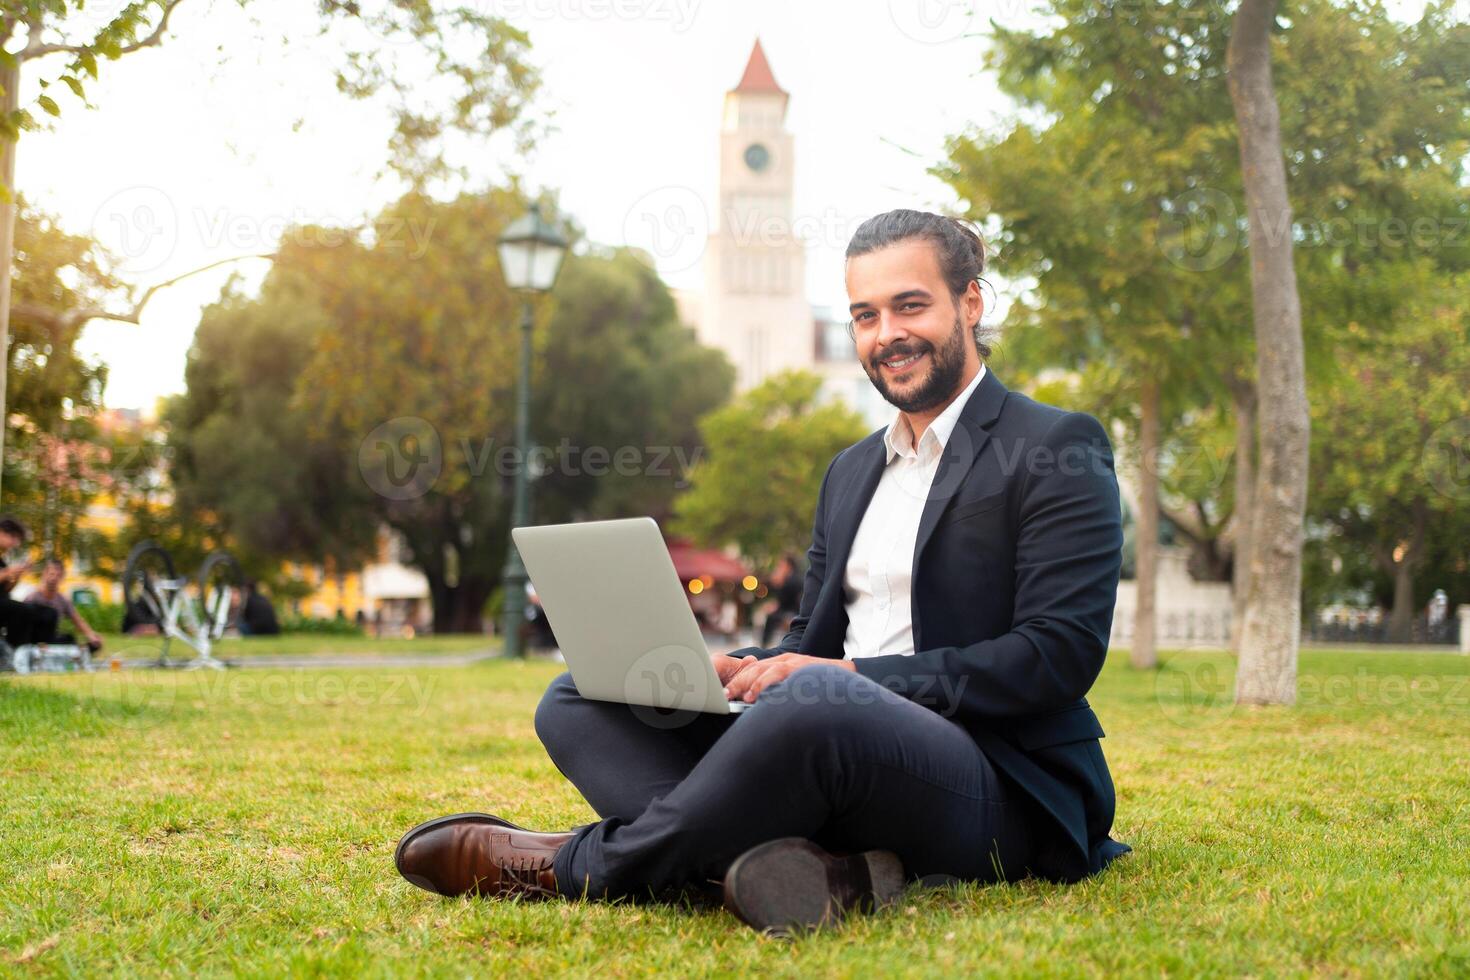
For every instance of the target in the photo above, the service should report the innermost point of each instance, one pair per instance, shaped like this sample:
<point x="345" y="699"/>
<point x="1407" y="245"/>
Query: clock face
<point x="757" y="157"/>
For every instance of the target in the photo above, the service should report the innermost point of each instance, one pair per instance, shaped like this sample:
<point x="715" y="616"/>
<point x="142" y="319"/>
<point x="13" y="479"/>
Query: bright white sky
<point x="224" y="135"/>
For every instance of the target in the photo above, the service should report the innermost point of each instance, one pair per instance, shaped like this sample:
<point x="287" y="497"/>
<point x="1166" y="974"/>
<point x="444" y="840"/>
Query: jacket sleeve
<point x="816" y="570"/>
<point x="1068" y="557"/>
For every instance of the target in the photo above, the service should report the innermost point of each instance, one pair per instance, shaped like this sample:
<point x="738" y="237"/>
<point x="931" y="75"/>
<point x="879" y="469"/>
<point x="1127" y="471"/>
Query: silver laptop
<point x="620" y="616"/>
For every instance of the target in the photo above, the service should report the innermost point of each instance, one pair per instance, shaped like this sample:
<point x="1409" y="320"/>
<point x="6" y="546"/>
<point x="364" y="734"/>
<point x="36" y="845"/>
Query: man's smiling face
<point x="913" y="341"/>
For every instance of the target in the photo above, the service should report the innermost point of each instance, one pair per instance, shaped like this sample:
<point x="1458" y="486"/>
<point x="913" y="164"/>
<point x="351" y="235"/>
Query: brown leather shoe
<point x="790" y="885"/>
<point x="479" y="854"/>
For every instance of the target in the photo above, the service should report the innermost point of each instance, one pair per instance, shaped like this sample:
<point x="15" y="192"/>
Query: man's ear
<point x="973" y="303"/>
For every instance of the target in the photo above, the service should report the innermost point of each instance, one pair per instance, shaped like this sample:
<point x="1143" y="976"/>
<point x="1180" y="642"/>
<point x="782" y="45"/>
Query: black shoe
<point x="790" y="885"/>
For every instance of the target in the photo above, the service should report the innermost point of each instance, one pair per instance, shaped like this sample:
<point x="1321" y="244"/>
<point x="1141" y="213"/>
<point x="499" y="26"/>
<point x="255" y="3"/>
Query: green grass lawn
<point x="245" y="821"/>
<point x="299" y="644"/>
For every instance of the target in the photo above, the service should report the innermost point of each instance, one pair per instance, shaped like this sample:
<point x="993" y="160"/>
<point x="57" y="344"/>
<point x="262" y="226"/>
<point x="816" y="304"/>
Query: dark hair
<point x="961" y="249"/>
<point x="14" y="527"/>
<point x="53" y="560"/>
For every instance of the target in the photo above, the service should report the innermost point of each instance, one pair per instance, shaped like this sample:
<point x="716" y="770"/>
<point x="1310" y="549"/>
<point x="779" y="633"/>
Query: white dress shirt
<point x="876" y="583"/>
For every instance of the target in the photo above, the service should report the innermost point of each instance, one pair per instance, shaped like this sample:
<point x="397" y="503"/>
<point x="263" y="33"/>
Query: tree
<point x="363" y="344"/>
<point x="1113" y="168"/>
<point x="1388" y="466"/>
<point x="614" y="339"/>
<point x="477" y="82"/>
<point x="766" y="454"/>
<point x="1270" y="629"/>
<point x="55" y="465"/>
<point x="1113" y="200"/>
<point x="239" y="453"/>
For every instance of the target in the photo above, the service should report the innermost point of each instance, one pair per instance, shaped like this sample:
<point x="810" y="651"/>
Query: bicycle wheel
<point x="145" y="597"/>
<point x="222" y="591"/>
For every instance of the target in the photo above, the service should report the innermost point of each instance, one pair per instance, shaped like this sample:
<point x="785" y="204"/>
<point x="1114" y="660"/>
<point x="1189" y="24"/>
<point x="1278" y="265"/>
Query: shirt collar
<point x="898" y="437"/>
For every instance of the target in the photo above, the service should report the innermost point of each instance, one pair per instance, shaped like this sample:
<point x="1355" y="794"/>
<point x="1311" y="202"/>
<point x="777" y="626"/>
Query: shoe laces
<point x="525" y="870"/>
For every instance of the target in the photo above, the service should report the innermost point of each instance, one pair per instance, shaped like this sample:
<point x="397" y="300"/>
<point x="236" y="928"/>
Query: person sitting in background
<point x="23" y="623"/>
<point x="51" y="596"/>
<point x="139" y="620"/>
<point x="257" y="615"/>
<point x="787" y="599"/>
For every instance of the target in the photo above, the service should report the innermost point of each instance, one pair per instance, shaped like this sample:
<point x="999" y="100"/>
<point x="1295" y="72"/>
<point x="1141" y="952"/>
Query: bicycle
<point x="162" y="597"/>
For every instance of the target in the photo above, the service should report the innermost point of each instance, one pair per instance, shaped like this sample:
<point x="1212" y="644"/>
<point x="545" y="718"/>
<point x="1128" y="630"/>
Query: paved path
<point x="307" y="661"/>
<point x="328" y="660"/>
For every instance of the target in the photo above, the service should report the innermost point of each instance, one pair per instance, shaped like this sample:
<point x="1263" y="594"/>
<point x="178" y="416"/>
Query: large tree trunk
<point x="458" y="608"/>
<point x="1243" y="398"/>
<point x="1401" y="616"/>
<point x="1271" y="623"/>
<point x="1400" y="563"/>
<point x="1144" y="653"/>
<point x="9" y="101"/>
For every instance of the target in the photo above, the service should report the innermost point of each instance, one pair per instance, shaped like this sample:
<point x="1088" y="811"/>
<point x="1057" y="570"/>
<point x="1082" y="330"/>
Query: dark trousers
<point x="27" y="622"/>
<point x="825" y="754"/>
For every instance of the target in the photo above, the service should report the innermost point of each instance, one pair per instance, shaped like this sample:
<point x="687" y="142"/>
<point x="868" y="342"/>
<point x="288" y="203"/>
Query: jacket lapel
<point x="853" y="504"/>
<point x="965" y="443"/>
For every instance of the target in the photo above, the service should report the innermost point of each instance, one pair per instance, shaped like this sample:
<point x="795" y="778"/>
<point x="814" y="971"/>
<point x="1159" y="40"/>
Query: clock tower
<point x="755" y="306"/>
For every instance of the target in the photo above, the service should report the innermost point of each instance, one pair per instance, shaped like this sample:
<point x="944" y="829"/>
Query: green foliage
<point x="1104" y="198"/>
<point x="56" y="460"/>
<point x="319" y="625"/>
<point x="1114" y="197"/>
<point x="766" y="454"/>
<point x="239" y="452"/>
<point x="104" y="617"/>
<point x="619" y="372"/>
<point x="350" y="334"/>
<point x="474" y="77"/>
<point x="1392" y="427"/>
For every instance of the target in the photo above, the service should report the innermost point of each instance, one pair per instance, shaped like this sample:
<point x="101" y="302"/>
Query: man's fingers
<point x="740" y="682"/>
<point x="754" y="680"/>
<point x="735" y="683"/>
<point x="727" y="667"/>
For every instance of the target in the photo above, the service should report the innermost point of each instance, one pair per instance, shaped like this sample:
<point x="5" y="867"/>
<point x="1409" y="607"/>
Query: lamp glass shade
<point x="531" y="251"/>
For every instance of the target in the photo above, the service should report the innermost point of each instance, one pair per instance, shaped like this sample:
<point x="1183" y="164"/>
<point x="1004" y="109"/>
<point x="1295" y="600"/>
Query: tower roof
<point x="758" y="77"/>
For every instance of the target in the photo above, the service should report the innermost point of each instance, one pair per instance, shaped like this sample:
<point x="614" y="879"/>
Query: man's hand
<point x="727" y="667"/>
<point x="749" y="681"/>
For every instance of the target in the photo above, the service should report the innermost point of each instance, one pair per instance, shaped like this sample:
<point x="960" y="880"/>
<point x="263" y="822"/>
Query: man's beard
<point x="946" y="367"/>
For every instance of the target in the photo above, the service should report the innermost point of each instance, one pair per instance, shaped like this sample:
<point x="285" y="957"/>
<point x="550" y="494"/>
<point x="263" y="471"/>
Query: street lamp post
<point x="531" y="251"/>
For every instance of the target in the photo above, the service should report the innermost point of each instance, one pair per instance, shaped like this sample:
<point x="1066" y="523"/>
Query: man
<point x="925" y="717"/>
<point x="786" y="600"/>
<point x="257" y="615"/>
<point x="21" y="622"/>
<point x="53" y="570"/>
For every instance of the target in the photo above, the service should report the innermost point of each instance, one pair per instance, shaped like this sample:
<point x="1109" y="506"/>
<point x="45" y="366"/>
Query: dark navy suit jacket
<point x="1015" y="577"/>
